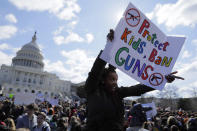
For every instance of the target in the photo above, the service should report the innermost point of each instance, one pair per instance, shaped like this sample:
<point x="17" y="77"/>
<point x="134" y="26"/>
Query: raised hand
<point x="171" y="77"/>
<point x="110" y="35"/>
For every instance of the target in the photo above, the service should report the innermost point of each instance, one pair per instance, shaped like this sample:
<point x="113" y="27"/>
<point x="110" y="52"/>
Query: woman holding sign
<point x="105" y="107"/>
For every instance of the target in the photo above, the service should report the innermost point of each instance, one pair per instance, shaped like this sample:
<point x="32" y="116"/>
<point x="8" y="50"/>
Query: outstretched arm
<point x="136" y="90"/>
<point x="96" y="72"/>
<point x="95" y="75"/>
<point x="140" y="89"/>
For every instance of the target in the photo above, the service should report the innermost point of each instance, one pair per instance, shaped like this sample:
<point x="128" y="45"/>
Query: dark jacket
<point x="105" y="111"/>
<point x="138" y="114"/>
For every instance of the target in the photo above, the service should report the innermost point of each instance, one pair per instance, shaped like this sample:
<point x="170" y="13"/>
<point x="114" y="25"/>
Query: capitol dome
<point x="29" y="56"/>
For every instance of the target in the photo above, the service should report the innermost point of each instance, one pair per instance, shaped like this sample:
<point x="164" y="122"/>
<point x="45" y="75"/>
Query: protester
<point x="172" y="121"/>
<point x="50" y="114"/>
<point x="174" y="128"/>
<point x="186" y="121"/>
<point x="42" y="125"/>
<point x="192" y="124"/>
<point x="3" y="126"/>
<point x="62" y="124"/>
<point x="138" y="114"/>
<point x="105" y="108"/>
<point x="10" y="124"/>
<point x="28" y="120"/>
<point x="53" y="122"/>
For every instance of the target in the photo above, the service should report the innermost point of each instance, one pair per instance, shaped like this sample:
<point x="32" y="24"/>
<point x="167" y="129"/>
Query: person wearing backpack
<point x="138" y="113"/>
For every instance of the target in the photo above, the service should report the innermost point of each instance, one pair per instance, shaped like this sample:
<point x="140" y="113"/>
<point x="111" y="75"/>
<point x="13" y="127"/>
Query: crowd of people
<point x="104" y="109"/>
<point x="73" y="117"/>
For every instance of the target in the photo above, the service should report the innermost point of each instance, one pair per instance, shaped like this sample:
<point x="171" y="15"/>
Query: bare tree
<point x="169" y="93"/>
<point x="194" y="91"/>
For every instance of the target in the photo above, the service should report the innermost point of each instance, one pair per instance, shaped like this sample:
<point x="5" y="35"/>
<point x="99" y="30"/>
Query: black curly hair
<point x="109" y="69"/>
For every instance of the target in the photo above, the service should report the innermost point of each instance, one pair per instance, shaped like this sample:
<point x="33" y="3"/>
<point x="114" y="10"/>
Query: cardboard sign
<point x="151" y="113"/>
<point x="24" y="98"/>
<point x="53" y="102"/>
<point x="40" y="97"/>
<point x="141" y="50"/>
<point x="11" y="96"/>
<point x="2" y="98"/>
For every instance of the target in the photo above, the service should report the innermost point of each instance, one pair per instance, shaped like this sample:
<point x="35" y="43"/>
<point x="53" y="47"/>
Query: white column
<point x="14" y="77"/>
<point x="38" y="80"/>
<point x="22" y="77"/>
<point x="28" y="76"/>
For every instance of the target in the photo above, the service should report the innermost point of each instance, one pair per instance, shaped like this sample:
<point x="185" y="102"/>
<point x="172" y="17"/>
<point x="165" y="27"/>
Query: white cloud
<point x="41" y="46"/>
<point x="89" y="37"/>
<point x="59" y="40"/>
<point x="78" y="64"/>
<point x="7" y="31"/>
<point x="194" y="42"/>
<point x="150" y="15"/>
<point x="72" y="24"/>
<point x="5" y="46"/>
<point x="186" y="54"/>
<point x="187" y="71"/>
<point x="5" y="58"/>
<point x="70" y="11"/>
<point x="11" y="18"/>
<point x="59" y="30"/>
<point x="57" y="67"/>
<point x="25" y="30"/>
<point x="183" y="12"/>
<point x="72" y="37"/>
<point x="37" y="5"/>
<point x="189" y="68"/>
<point x="63" y="9"/>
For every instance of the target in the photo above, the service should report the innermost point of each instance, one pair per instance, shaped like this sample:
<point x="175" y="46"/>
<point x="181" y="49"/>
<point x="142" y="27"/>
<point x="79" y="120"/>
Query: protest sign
<point x="150" y="114"/>
<point x="24" y="98"/>
<point x="53" y="102"/>
<point x="11" y="96"/>
<point x="141" y="50"/>
<point x="2" y="98"/>
<point x="40" y="97"/>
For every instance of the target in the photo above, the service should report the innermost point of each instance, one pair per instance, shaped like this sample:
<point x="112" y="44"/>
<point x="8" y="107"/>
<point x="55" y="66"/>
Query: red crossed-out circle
<point x="132" y="17"/>
<point x="156" y="79"/>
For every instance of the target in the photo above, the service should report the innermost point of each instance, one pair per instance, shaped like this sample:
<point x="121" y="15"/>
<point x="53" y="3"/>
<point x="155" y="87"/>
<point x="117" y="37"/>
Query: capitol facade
<point x="26" y="74"/>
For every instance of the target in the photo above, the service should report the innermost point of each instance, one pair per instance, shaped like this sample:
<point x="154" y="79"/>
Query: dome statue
<point x="29" y="55"/>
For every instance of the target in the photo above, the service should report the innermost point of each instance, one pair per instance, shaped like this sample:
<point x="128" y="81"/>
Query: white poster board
<point x="24" y="98"/>
<point x="40" y="97"/>
<point x="2" y="98"/>
<point x="53" y="102"/>
<point x="151" y="113"/>
<point x="142" y="50"/>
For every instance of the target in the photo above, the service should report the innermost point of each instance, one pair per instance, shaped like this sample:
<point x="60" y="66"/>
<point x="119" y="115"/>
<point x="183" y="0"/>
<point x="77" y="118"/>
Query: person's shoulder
<point x="35" y="116"/>
<point x="137" y="105"/>
<point x="23" y="116"/>
<point x="46" y="125"/>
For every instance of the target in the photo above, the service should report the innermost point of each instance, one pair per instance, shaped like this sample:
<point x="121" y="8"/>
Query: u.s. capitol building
<point x="26" y="74"/>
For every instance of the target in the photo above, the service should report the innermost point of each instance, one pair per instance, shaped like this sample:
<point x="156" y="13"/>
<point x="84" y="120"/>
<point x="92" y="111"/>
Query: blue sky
<point x="72" y="32"/>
